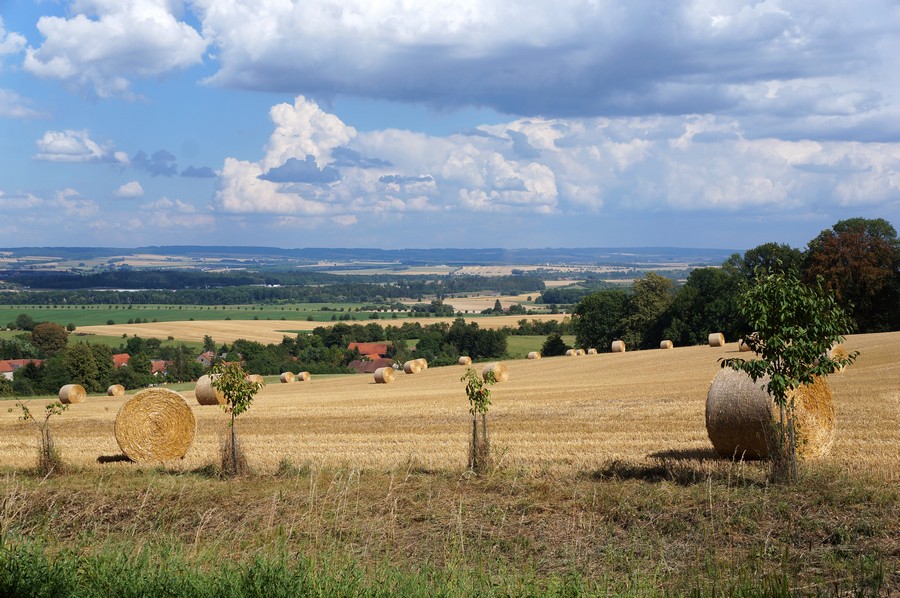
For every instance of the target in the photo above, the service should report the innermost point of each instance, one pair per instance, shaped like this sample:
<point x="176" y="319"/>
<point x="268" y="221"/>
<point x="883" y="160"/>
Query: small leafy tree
<point x="554" y="345"/>
<point x="479" y="399"/>
<point x="48" y="458"/>
<point x="795" y="327"/>
<point x="231" y="379"/>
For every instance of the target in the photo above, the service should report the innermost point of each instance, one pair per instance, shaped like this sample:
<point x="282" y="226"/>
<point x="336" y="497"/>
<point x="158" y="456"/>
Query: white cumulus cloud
<point x="551" y="167"/>
<point x="129" y="190"/>
<point x="104" y="44"/>
<point x="76" y="146"/>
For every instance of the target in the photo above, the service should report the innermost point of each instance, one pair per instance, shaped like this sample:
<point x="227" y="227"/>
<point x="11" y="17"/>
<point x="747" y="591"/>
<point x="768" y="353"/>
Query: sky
<point x="445" y="123"/>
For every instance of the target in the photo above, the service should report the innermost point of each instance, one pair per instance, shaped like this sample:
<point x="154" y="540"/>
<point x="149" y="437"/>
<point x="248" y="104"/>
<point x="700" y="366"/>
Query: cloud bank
<point x="549" y="166"/>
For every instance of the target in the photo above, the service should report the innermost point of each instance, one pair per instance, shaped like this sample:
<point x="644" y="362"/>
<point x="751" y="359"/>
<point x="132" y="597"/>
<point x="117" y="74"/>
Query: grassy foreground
<point x="624" y="529"/>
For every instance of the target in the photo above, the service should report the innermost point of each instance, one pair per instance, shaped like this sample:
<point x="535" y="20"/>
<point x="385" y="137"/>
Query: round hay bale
<point x="303" y="377"/>
<point x="501" y="374"/>
<point x="592" y="351"/>
<point x="534" y="355"/>
<point x="116" y="390"/>
<point x="740" y="415"/>
<point x="617" y="347"/>
<point x="156" y="424"/>
<point x="716" y="339"/>
<point x="464" y="360"/>
<point x="384" y="375"/>
<point x="71" y="394"/>
<point x="571" y="353"/>
<point x="206" y="393"/>
<point x="579" y="351"/>
<point x="256" y="378"/>
<point x="666" y="345"/>
<point x="413" y="366"/>
<point x="743" y="347"/>
<point x="423" y="362"/>
<point x="287" y="377"/>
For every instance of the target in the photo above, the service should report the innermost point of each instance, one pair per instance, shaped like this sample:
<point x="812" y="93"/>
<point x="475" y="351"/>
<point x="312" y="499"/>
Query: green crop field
<point x="517" y="347"/>
<point x="92" y="315"/>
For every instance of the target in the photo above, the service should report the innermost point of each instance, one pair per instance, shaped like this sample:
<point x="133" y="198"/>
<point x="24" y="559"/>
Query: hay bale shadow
<point x="114" y="459"/>
<point x="684" y="468"/>
<point x="702" y="454"/>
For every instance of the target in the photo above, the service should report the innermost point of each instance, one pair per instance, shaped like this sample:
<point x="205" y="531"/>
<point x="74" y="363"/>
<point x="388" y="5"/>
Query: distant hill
<point x="441" y="256"/>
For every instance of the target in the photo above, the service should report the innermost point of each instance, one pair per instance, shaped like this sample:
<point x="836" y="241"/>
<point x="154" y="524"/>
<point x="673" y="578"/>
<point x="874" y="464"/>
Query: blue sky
<point x="389" y="123"/>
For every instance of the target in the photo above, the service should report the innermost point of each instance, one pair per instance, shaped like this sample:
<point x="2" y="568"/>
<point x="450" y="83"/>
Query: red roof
<point x="120" y="359"/>
<point x="11" y="365"/>
<point x="369" y="348"/>
<point x="159" y="366"/>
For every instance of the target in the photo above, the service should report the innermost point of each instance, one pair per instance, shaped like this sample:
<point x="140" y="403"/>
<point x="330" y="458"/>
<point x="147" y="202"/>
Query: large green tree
<point x="771" y="257"/>
<point x="82" y="367"/>
<point x="859" y="261"/>
<point x="599" y="318"/>
<point x="650" y="299"/>
<point x="706" y="303"/>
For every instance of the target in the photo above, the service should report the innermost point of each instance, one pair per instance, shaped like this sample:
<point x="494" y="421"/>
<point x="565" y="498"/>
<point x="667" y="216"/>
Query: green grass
<point x="518" y="347"/>
<point x="623" y="529"/>
<point x="92" y="315"/>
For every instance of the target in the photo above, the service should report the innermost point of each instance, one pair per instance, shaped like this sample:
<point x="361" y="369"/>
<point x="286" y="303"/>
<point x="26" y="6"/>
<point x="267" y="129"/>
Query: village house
<point x="8" y="367"/>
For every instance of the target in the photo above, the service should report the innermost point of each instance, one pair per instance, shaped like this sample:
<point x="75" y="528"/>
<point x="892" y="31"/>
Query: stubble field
<point x="564" y="413"/>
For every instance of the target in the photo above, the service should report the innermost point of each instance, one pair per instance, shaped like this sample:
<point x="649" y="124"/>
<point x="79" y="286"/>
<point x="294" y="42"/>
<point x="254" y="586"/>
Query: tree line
<point x="857" y="260"/>
<point x="164" y="287"/>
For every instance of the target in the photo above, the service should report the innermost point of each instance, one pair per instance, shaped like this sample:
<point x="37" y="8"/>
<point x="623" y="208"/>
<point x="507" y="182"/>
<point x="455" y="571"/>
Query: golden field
<point x="272" y="331"/>
<point x="561" y="414"/>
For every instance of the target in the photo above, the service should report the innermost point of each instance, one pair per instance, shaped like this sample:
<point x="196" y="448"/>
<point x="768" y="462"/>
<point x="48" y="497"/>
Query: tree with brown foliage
<point x="50" y="338"/>
<point x="859" y="261"/>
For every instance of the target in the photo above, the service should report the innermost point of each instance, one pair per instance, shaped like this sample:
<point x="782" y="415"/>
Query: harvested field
<point x="272" y="331"/>
<point x="556" y="413"/>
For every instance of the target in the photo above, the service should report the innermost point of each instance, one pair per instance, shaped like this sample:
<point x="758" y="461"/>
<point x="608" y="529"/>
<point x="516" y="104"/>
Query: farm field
<point x="562" y="413"/>
<point x="272" y="331"/>
<point x="606" y="483"/>
<point x="87" y="315"/>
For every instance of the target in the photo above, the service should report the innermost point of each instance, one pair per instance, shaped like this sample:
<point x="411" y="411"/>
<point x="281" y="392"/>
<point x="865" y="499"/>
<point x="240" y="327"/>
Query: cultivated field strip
<point x="272" y="331"/>
<point x="564" y="413"/>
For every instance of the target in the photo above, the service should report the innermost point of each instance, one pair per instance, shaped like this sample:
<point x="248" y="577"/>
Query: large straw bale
<point x="617" y="347"/>
<point x="571" y="352"/>
<point x="534" y="355"/>
<point x="579" y="352"/>
<point x="287" y="377"/>
<point x="116" y="390"/>
<point x="303" y="377"/>
<point x="206" y="393"/>
<point x="592" y="351"/>
<point x="740" y="416"/>
<point x="423" y="363"/>
<point x="666" y="344"/>
<point x="464" y="360"/>
<point x="413" y="366"/>
<point x="384" y="375"/>
<point x="743" y="347"/>
<point x="838" y="351"/>
<point x="256" y="378"/>
<point x="501" y="373"/>
<point x="156" y="424"/>
<point x="72" y="393"/>
<point x="716" y="339"/>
